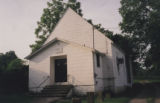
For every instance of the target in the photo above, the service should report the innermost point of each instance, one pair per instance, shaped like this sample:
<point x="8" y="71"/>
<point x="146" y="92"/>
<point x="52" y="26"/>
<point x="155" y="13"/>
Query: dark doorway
<point x="60" y="70"/>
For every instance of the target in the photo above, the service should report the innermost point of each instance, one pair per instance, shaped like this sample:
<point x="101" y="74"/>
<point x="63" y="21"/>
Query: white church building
<point x="77" y="54"/>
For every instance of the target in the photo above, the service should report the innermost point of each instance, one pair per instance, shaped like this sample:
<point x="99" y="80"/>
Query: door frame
<point x="52" y="70"/>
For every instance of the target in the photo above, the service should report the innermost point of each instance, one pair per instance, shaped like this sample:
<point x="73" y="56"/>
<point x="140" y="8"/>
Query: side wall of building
<point x="105" y="71"/>
<point x="119" y="69"/>
<point x="98" y="73"/>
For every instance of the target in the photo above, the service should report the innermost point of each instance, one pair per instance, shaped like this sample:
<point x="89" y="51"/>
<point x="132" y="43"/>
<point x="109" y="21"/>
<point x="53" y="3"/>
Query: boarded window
<point x="98" y="60"/>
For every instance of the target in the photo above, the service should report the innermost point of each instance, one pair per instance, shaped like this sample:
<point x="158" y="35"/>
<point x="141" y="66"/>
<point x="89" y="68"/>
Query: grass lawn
<point x="147" y="80"/>
<point x="117" y="100"/>
<point x="15" y="98"/>
<point x="106" y="100"/>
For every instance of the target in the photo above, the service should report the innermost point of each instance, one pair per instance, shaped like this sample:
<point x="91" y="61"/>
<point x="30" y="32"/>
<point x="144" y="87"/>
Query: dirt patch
<point x="138" y="101"/>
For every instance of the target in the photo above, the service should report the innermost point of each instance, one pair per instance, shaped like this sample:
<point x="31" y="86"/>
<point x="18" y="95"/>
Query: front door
<point x="61" y="70"/>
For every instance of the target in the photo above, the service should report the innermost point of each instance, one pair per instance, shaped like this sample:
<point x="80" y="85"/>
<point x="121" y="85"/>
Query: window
<point x="119" y="61"/>
<point x="98" y="60"/>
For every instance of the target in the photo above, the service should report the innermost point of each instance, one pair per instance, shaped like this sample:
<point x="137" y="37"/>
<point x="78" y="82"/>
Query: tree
<point x="6" y="58"/>
<point x="106" y="32"/>
<point x="50" y="17"/>
<point x="15" y="64"/>
<point x="141" y="20"/>
<point x="9" y="61"/>
<point x="12" y="71"/>
<point x="135" y="20"/>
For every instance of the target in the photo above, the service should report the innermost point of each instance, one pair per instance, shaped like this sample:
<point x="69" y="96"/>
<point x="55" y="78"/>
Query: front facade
<point x="76" y="53"/>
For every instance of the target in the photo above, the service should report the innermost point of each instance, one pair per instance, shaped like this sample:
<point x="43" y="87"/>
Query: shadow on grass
<point x="139" y="90"/>
<point x="106" y="100"/>
<point x="131" y="92"/>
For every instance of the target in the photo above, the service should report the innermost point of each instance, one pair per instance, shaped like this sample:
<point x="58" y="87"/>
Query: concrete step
<point x="54" y="91"/>
<point x="48" y="95"/>
<point x="58" y="86"/>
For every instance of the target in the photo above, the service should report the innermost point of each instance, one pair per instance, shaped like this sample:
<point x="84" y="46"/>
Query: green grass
<point x="116" y="100"/>
<point x="146" y="80"/>
<point x="150" y="100"/>
<point x="64" y="101"/>
<point x="14" y="98"/>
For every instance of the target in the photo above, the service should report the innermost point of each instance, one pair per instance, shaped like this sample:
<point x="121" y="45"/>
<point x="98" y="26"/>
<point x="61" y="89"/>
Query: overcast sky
<point x="18" y="20"/>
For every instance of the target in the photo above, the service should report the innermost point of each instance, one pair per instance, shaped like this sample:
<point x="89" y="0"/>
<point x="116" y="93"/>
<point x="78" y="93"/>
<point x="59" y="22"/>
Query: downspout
<point x="93" y="59"/>
<point x="93" y="36"/>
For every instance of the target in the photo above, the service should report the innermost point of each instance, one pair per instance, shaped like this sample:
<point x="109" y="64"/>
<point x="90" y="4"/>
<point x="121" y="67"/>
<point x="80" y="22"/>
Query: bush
<point x="13" y="73"/>
<point x="14" y="81"/>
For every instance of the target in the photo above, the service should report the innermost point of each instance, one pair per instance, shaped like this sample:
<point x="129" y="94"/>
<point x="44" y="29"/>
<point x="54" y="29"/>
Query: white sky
<point x="18" y="20"/>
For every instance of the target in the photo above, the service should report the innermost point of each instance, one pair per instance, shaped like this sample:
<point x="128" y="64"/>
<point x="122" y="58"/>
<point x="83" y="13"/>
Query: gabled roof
<point x="42" y="48"/>
<point x="58" y="39"/>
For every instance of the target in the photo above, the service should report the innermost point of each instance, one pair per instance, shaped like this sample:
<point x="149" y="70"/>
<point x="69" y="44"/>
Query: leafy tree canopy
<point x="6" y="58"/>
<point x="15" y="64"/>
<point x="141" y="20"/>
<point x="9" y="61"/>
